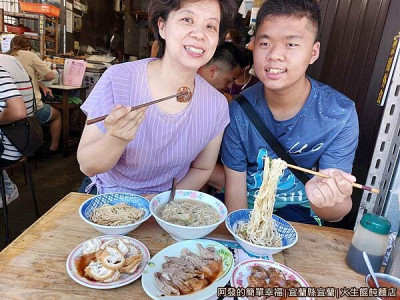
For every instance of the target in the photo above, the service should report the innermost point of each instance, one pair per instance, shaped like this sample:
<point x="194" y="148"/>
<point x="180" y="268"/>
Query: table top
<point x="33" y="265"/>
<point x="66" y="87"/>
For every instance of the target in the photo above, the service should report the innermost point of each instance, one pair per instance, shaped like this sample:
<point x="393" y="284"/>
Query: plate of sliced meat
<point x="266" y="279"/>
<point x="107" y="262"/>
<point x="191" y="269"/>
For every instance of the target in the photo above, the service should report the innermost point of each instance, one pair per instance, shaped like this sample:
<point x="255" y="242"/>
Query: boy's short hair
<point x="228" y="54"/>
<point x="297" y="8"/>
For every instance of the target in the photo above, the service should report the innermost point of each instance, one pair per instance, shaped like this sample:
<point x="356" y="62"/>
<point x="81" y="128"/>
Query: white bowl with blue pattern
<point x="286" y="230"/>
<point x="87" y="208"/>
<point x="180" y="232"/>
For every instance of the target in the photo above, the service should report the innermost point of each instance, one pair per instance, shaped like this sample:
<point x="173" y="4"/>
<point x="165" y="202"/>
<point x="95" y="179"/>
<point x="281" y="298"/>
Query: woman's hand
<point x="46" y="91"/>
<point x="123" y="123"/>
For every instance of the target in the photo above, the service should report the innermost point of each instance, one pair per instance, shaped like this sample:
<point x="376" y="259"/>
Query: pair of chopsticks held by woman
<point x="140" y="151"/>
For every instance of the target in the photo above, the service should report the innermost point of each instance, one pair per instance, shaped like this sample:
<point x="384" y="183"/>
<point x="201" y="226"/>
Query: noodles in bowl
<point x="261" y="228"/>
<point x="116" y="215"/>
<point x="189" y="213"/>
<point x="259" y="231"/>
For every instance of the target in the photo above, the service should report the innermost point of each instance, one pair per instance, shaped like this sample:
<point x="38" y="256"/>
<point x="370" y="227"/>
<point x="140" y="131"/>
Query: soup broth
<point x="188" y="212"/>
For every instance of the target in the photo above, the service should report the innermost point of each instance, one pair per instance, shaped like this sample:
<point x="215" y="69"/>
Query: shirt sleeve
<point x="233" y="153"/>
<point x="101" y="100"/>
<point x="341" y="152"/>
<point x="8" y="88"/>
<point x="222" y="118"/>
<point x="40" y="66"/>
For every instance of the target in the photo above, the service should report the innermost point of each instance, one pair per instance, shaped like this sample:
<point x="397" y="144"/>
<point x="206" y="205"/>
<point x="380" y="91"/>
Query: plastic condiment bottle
<point x="370" y="236"/>
<point x="393" y="265"/>
<point x="58" y="74"/>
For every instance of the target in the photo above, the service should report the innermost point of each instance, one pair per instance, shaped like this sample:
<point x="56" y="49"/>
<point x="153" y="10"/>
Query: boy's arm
<point x="235" y="189"/>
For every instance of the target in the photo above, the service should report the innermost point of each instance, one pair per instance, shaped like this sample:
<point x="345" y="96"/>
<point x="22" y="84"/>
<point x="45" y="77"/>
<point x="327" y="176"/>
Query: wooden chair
<point x="27" y="172"/>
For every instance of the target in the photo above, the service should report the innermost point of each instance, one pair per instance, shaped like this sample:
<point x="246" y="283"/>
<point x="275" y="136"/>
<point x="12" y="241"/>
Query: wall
<point x="96" y="25"/>
<point x="137" y="35"/>
<point x="355" y="47"/>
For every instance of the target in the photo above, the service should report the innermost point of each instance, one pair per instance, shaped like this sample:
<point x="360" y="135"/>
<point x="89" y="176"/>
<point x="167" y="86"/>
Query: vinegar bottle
<point x="371" y="236"/>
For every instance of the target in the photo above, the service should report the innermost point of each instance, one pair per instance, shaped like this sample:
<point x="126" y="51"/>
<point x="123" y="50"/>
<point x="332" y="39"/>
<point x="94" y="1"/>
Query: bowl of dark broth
<point x="388" y="284"/>
<point x="190" y="215"/>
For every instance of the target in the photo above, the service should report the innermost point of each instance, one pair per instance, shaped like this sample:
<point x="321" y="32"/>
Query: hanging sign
<point x="387" y="76"/>
<point x="80" y="6"/>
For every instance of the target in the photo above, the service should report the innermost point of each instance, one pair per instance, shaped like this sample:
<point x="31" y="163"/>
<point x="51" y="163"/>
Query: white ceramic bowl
<point x="87" y="208"/>
<point x="288" y="233"/>
<point x="179" y="232"/>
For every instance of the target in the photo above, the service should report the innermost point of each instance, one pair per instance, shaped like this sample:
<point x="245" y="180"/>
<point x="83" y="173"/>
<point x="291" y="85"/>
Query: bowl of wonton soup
<point x="191" y="215"/>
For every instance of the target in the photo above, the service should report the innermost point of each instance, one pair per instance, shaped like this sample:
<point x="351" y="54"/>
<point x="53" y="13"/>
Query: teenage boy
<point x="315" y="124"/>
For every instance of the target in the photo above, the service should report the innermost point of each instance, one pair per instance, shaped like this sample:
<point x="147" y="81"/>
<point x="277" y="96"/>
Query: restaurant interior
<point x="359" y="57"/>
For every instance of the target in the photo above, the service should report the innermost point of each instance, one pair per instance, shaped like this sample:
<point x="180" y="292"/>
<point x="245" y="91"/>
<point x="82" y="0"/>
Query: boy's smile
<point x="284" y="46"/>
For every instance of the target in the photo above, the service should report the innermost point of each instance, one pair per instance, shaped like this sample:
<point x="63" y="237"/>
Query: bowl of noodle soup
<point x="191" y="215"/>
<point x="239" y="219"/>
<point x="115" y="213"/>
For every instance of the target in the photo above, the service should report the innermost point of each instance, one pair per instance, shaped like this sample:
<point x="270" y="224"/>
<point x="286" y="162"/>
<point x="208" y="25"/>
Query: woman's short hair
<point x="161" y="9"/>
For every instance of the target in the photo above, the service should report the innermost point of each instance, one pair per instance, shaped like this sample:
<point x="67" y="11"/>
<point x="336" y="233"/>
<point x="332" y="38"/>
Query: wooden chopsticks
<point x="356" y="185"/>
<point x="101" y="118"/>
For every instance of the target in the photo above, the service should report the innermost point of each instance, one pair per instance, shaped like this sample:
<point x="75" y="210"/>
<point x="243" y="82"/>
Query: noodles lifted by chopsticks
<point x="261" y="228"/>
<point x="116" y="215"/>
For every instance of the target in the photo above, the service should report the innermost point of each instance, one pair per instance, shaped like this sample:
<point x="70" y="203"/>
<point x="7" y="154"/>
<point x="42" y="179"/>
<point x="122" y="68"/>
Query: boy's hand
<point x="123" y="123"/>
<point x="327" y="192"/>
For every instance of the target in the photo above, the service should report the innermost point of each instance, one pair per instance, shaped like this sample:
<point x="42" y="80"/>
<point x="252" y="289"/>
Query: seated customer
<point x="38" y="69"/>
<point x="223" y="68"/>
<point x="245" y="79"/>
<point x="232" y="36"/>
<point x="141" y="151"/>
<point x="315" y="124"/>
<point x="16" y="102"/>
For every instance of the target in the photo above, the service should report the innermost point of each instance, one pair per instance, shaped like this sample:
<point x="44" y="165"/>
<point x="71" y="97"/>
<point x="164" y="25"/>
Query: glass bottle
<point x="370" y="236"/>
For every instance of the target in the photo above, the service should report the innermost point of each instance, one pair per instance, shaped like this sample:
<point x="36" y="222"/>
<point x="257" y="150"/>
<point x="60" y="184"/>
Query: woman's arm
<point x="202" y="167"/>
<point x="14" y="111"/>
<point x="99" y="152"/>
<point x="235" y="189"/>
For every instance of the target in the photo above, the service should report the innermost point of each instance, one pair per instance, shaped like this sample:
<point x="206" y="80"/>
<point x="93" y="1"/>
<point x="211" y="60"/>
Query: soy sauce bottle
<point x="372" y="237"/>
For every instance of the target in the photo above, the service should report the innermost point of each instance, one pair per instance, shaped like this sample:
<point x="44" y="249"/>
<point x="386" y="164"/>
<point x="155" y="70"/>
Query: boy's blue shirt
<point x="323" y="134"/>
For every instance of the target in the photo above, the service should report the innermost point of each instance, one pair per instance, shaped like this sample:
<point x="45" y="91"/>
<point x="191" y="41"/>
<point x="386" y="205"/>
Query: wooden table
<point x="33" y="265"/>
<point x="65" y="107"/>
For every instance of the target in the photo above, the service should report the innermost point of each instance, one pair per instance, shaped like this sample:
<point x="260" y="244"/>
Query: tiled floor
<point x="54" y="177"/>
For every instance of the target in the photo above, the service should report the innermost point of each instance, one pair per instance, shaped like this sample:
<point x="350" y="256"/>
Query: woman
<point x="16" y="102"/>
<point x="245" y="79"/>
<point x="21" y="49"/>
<point x="233" y="36"/>
<point x="143" y="150"/>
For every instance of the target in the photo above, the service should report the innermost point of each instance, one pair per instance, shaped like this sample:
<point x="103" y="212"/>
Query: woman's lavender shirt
<point x="165" y="144"/>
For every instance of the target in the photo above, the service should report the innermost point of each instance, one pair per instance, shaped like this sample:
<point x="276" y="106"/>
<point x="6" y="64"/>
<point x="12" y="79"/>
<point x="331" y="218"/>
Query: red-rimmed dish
<point x="123" y="280"/>
<point x="243" y="270"/>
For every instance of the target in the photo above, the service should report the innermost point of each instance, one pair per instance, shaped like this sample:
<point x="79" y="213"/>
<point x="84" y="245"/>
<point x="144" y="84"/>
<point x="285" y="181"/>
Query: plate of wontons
<point x="107" y="262"/>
